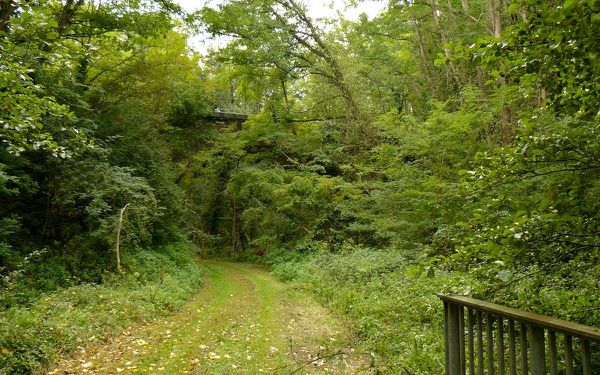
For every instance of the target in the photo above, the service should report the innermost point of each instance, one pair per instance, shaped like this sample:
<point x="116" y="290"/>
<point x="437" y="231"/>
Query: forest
<point x="439" y="146"/>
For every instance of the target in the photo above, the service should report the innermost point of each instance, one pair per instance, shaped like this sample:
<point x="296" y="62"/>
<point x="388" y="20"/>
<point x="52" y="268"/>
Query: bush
<point x="392" y="304"/>
<point x="155" y="283"/>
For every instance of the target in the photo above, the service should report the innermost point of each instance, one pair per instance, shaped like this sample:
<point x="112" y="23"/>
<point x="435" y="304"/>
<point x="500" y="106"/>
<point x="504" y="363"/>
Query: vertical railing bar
<point x="538" y="350"/>
<point x="490" y="343"/>
<point x="446" y="344"/>
<point x="461" y="339"/>
<point x="500" y="343"/>
<point x="512" y="357"/>
<point x="569" y="369"/>
<point x="586" y="357"/>
<point x="480" y="364"/>
<point x="553" y="357"/>
<point x="471" y="341"/>
<point x="454" y="358"/>
<point x="523" y="334"/>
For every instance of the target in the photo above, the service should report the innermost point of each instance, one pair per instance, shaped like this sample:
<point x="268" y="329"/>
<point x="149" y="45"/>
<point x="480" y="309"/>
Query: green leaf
<point x="570" y="4"/>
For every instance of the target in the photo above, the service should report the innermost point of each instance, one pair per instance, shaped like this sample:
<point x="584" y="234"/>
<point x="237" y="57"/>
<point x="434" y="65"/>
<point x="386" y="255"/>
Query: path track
<point x="242" y="322"/>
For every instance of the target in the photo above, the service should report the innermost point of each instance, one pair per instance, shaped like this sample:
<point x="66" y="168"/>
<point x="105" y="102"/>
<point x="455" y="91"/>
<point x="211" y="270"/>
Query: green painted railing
<point x="485" y="338"/>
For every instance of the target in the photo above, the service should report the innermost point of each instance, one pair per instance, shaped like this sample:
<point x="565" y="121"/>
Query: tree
<point x="278" y="43"/>
<point x="552" y="52"/>
<point x="85" y="93"/>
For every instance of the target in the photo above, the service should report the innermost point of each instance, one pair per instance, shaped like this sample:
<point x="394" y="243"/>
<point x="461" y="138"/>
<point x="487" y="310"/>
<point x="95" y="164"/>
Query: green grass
<point x="242" y="321"/>
<point x="232" y="320"/>
<point x="156" y="284"/>
<point x="393" y="308"/>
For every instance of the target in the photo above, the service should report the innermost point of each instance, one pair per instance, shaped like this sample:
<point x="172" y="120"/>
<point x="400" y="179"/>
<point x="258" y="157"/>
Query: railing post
<point x="454" y="341"/>
<point x="538" y="350"/>
<point x="471" y="335"/>
<point x="524" y="348"/>
<point x="512" y="353"/>
<point x="569" y="370"/>
<point x="586" y="358"/>
<point x="489" y="328"/>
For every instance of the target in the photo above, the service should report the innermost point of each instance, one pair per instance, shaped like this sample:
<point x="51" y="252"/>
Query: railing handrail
<point x="580" y="330"/>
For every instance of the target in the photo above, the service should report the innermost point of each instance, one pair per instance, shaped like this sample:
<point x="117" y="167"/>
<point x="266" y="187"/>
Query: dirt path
<point x="242" y="322"/>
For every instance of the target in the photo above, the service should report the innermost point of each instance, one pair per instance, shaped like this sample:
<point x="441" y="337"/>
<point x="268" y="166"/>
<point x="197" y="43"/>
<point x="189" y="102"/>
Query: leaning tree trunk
<point x="119" y="227"/>
<point x="506" y="116"/>
<point x="496" y="17"/>
<point x="435" y="14"/>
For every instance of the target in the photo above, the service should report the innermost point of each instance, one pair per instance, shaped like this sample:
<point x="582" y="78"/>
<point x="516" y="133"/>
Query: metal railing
<point x="485" y="338"/>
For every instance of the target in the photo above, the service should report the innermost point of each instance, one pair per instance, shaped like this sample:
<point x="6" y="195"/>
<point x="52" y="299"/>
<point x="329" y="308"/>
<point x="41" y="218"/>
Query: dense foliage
<point x="89" y="98"/>
<point x="33" y="336"/>
<point x="87" y="90"/>
<point x="450" y="131"/>
<point x="458" y="142"/>
<point x="437" y="146"/>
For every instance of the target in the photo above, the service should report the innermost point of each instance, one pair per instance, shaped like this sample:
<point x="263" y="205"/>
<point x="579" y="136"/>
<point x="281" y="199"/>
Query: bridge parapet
<point x="228" y="116"/>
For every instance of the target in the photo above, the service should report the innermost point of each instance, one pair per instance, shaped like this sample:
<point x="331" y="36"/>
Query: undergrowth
<point x="155" y="284"/>
<point x="391" y="302"/>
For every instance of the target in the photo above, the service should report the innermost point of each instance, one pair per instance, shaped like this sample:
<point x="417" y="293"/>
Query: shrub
<point x="392" y="304"/>
<point x="154" y="284"/>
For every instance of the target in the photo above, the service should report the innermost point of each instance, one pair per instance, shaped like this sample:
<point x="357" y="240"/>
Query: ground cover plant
<point x="392" y="304"/>
<point x="155" y="283"/>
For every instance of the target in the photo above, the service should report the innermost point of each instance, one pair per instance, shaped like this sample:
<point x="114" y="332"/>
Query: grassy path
<point x="242" y="321"/>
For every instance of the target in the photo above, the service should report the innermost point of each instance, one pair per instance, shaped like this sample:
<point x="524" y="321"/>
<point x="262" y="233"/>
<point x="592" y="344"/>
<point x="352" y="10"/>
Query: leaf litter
<point x="263" y="327"/>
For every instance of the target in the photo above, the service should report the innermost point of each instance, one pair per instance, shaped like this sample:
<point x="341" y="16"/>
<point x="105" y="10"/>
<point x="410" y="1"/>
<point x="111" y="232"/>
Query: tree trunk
<point x="234" y="228"/>
<point x="506" y="132"/>
<point x="117" y="247"/>
<point x="524" y="15"/>
<point x="542" y="96"/>
<point x="435" y="13"/>
<point x="67" y="14"/>
<point x="421" y="43"/>
<point x="285" y="94"/>
<point x="7" y="8"/>
<point x="496" y="15"/>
